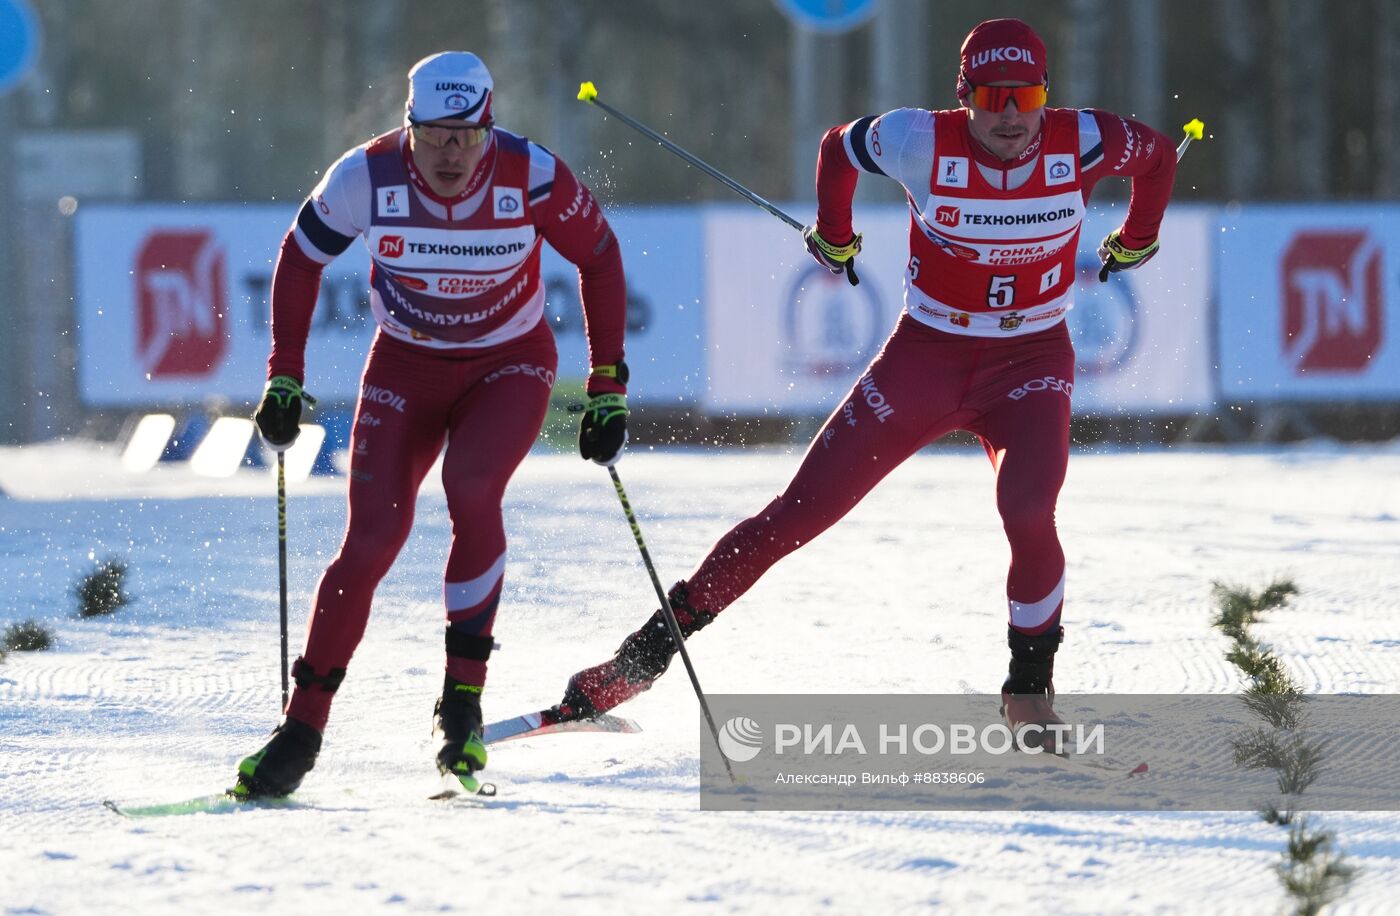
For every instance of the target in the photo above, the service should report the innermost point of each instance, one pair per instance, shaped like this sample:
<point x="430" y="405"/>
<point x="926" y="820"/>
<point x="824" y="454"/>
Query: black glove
<point x="603" y="432"/>
<point x="839" y="259"/>
<point x="279" y="414"/>
<point x="1116" y="256"/>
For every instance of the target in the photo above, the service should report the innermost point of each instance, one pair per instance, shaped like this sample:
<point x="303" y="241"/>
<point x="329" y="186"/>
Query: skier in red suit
<point x="996" y="191"/>
<point x="454" y="211"/>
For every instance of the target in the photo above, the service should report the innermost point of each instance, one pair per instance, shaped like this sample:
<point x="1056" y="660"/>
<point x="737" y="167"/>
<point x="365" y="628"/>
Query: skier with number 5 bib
<point x="997" y="191"/>
<point x="454" y="211"/>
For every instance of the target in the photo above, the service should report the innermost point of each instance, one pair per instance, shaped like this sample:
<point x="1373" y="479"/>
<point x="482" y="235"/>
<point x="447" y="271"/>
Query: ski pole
<point x="282" y="566"/>
<point x="670" y="616"/>
<point x="587" y="92"/>
<point x="1195" y="129"/>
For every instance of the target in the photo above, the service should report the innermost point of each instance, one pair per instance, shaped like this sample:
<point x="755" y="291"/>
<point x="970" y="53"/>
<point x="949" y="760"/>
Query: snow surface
<point x="158" y="702"/>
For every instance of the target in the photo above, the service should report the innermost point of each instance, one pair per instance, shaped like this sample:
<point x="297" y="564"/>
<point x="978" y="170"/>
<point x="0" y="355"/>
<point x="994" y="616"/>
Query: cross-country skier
<point x="453" y="211"/>
<point x="997" y="191"/>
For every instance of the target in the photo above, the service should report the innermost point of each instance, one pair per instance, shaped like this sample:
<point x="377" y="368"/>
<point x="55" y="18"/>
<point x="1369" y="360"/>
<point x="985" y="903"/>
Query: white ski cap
<point x="451" y="84"/>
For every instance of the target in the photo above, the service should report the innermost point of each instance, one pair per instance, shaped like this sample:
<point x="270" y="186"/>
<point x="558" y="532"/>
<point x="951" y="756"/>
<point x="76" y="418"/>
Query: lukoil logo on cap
<point x="452" y="84"/>
<point x="995" y="55"/>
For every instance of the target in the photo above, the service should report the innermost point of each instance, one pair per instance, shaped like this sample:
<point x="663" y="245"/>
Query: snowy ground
<point x="159" y="702"/>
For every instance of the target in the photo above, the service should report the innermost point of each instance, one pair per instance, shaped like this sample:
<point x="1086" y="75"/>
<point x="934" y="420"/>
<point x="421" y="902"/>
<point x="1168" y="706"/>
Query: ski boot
<point x="642" y="658"/>
<point x="458" y="715"/>
<point x="1028" y="695"/>
<point x="280" y="766"/>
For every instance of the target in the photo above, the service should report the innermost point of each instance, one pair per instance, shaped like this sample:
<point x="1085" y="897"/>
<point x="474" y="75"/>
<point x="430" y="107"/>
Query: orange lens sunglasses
<point x="996" y="98"/>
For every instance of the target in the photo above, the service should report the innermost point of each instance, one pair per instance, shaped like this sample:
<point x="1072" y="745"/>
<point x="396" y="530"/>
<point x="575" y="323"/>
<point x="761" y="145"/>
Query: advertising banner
<point x="662" y="253"/>
<point x="782" y="333"/>
<point x="1142" y="340"/>
<point x="173" y="305"/>
<point x="1309" y="303"/>
<point x="785" y="335"/>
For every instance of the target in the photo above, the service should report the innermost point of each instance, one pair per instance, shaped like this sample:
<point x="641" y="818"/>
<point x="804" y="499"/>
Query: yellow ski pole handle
<point x="1195" y="129"/>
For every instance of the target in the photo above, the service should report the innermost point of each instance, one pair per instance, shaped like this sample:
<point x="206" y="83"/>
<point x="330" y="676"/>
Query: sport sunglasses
<point x="996" y="98"/>
<point x="438" y="136"/>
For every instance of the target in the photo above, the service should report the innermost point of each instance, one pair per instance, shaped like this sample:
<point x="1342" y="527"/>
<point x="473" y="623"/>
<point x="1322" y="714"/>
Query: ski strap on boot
<point x="306" y="676"/>
<point x="1032" y="660"/>
<point x="465" y="645"/>
<point x="647" y="652"/>
<point x="691" y="619"/>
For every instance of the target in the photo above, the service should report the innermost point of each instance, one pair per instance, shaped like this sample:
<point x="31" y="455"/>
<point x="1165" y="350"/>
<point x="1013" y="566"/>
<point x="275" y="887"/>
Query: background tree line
<point x="249" y="101"/>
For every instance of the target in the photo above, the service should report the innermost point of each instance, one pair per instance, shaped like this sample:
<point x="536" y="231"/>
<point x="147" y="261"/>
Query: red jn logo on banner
<point x="181" y="314"/>
<point x="1333" y="314"/>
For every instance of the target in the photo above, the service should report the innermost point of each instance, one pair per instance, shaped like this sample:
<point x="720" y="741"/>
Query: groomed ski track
<point x="158" y="702"/>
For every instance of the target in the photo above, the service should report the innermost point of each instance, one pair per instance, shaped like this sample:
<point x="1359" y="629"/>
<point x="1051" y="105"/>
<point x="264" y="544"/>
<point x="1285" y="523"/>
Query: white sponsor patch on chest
<point x="952" y="171"/>
<point x="1059" y="169"/>
<point x="392" y="200"/>
<point x="508" y="203"/>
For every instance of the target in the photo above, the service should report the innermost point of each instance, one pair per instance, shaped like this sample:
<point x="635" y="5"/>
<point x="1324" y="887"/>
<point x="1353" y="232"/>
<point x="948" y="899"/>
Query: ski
<point x="221" y="803"/>
<point x="530" y="725"/>
<point x="1114" y="767"/>
<point x="1090" y="761"/>
<point x="547" y="722"/>
<point x="464" y="787"/>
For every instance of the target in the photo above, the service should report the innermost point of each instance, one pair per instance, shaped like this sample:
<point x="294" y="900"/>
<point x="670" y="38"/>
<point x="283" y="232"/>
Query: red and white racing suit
<point x="982" y="345"/>
<point x="462" y="357"/>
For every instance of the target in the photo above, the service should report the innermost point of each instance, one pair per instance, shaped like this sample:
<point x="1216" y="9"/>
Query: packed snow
<point x="158" y="702"/>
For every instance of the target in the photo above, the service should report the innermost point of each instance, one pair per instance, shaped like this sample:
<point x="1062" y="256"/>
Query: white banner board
<point x="784" y="335"/>
<point x="172" y="306"/>
<point x="173" y="310"/>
